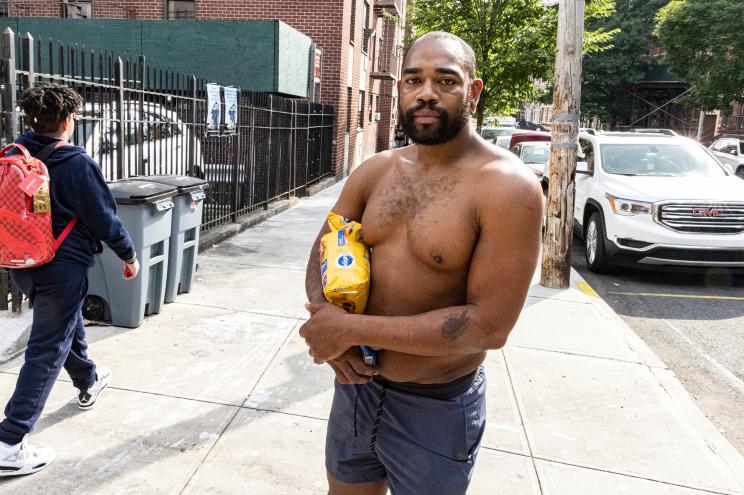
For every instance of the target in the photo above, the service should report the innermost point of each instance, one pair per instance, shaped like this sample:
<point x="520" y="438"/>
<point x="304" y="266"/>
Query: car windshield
<point x="659" y="160"/>
<point x="535" y="154"/>
<point x="741" y="147"/>
<point x="494" y="133"/>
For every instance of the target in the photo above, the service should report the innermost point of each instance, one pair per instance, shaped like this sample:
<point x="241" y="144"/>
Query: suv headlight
<point x="628" y="207"/>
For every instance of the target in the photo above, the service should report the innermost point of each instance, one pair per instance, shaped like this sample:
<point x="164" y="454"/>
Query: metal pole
<point x="700" y="126"/>
<point x="192" y="138"/>
<point x="8" y="62"/>
<point x="236" y="161"/>
<point x="27" y="49"/>
<point x="119" y="116"/>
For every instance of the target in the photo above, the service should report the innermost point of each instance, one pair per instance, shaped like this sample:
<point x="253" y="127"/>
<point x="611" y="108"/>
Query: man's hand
<point x="131" y="269"/>
<point x="350" y="368"/>
<point x="325" y="332"/>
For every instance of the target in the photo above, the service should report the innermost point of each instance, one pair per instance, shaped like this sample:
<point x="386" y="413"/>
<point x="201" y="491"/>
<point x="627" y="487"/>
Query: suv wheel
<point x="596" y="254"/>
<point x="740" y="172"/>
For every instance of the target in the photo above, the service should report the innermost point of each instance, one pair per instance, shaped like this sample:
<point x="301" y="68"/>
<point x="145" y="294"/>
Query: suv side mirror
<point x="583" y="168"/>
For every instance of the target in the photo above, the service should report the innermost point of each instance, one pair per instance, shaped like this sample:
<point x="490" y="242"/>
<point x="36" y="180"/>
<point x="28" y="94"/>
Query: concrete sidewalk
<point x="217" y="395"/>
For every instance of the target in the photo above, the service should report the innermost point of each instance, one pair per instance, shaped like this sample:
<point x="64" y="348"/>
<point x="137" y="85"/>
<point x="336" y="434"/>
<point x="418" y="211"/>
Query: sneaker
<point x="87" y="398"/>
<point x="21" y="458"/>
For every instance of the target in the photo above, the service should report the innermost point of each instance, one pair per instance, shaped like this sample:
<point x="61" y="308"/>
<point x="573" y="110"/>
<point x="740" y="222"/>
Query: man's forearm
<point x="454" y="330"/>
<point x="313" y="282"/>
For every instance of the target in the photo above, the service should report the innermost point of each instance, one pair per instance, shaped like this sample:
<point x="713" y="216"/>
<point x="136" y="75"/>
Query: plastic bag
<point x="345" y="270"/>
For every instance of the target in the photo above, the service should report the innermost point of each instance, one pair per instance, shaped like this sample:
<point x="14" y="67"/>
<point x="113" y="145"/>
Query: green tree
<point x="703" y="41"/>
<point x="609" y="77"/>
<point x="513" y="40"/>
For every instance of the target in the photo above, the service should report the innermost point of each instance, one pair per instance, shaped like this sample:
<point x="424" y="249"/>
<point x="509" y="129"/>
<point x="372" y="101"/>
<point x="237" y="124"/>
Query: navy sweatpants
<point x="57" y="339"/>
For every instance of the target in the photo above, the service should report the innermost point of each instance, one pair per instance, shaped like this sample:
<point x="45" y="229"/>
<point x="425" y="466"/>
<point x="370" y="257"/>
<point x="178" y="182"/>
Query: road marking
<point x="733" y="380"/>
<point x="679" y="296"/>
<point x="586" y="289"/>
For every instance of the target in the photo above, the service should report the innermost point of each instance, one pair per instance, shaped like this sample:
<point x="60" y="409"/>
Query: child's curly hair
<point x="46" y="105"/>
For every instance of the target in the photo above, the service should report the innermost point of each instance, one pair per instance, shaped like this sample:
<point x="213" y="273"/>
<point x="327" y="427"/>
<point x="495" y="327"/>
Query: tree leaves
<point x="514" y="42"/>
<point x="704" y="44"/>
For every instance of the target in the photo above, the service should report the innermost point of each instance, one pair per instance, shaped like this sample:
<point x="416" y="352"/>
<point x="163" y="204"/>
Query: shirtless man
<point x="453" y="226"/>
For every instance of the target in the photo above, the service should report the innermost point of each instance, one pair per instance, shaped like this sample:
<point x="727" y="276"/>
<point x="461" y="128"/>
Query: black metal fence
<point x="142" y="120"/>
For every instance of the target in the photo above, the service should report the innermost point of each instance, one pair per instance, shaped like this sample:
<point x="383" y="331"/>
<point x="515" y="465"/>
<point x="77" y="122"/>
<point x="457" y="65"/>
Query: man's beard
<point x="440" y="132"/>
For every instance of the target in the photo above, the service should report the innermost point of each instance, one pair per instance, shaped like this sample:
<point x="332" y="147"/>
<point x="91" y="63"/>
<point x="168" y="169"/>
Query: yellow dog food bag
<point x="344" y="264"/>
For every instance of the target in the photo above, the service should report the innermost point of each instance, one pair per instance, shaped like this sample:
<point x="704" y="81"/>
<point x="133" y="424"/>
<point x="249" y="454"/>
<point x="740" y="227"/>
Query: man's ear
<point x="476" y="87"/>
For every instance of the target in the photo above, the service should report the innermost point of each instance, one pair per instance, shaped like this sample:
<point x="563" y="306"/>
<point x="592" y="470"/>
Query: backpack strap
<point x="47" y="150"/>
<point x="59" y="240"/>
<point x="42" y="155"/>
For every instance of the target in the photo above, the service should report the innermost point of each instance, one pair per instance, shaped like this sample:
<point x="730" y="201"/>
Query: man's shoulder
<point x="501" y="176"/>
<point x="374" y="167"/>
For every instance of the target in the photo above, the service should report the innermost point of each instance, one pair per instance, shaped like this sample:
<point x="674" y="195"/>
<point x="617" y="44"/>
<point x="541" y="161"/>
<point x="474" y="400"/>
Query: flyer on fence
<point x="214" y="109"/>
<point x="231" y="110"/>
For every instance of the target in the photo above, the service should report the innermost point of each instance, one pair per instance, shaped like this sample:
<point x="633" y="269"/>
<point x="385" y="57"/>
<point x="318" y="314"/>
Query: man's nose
<point x="427" y="93"/>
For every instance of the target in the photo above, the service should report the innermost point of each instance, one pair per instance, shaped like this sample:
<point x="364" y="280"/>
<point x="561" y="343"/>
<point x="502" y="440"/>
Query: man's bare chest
<point x="433" y="220"/>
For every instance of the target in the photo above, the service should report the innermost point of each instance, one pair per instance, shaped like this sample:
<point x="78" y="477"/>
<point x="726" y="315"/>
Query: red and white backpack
<point x="26" y="238"/>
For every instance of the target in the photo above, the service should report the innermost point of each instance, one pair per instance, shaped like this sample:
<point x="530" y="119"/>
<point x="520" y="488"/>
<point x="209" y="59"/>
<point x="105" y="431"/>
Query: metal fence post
<point x="271" y="157"/>
<point x="253" y="156"/>
<point x="119" y="115"/>
<point x="192" y="138"/>
<point x="27" y="51"/>
<point x="8" y="69"/>
<point x="141" y="115"/>
<point x="236" y="161"/>
<point x="308" y="123"/>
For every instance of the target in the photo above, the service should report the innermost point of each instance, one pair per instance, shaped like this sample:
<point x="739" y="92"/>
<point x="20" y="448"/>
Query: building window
<point x="3" y="8"/>
<point x="181" y="9"/>
<point x="365" y="25"/>
<point x="361" y="110"/>
<point x="77" y="9"/>
<point x="348" y="110"/>
<point x="353" y="20"/>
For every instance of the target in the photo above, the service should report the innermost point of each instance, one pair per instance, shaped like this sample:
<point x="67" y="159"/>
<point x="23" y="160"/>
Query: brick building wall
<point x="327" y="22"/>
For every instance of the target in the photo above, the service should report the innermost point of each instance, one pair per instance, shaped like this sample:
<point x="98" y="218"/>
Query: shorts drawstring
<point x="376" y="424"/>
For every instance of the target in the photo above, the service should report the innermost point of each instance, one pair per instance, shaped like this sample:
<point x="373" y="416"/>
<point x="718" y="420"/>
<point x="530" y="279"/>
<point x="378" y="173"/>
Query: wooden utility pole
<point x="556" y="260"/>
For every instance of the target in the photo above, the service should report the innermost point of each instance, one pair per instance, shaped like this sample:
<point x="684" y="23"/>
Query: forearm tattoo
<point x="455" y="325"/>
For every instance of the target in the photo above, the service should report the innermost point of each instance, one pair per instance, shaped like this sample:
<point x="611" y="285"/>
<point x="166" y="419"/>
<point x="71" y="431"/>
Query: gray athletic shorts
<point x="419" y="444"/>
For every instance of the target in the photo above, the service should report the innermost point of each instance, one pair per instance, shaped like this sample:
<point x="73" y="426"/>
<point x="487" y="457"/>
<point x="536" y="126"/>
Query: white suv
<point x="656" y="199"/>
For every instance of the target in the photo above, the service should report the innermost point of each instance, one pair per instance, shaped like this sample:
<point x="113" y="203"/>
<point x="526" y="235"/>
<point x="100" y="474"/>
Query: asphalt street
<point x="694" y="321"/>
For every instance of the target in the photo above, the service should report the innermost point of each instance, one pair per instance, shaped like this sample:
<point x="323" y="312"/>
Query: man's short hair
<point x="47" y="105"/>
<point x="466" y="57"/>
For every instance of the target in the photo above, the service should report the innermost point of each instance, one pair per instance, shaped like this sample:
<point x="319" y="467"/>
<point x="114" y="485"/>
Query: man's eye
<point x="412" y="80"/>
<point x="447" y="82"/>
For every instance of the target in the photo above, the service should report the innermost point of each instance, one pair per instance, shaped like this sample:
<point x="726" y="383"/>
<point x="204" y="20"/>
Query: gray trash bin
<point x="185" y="228"/>
<point x="146" y="210"/>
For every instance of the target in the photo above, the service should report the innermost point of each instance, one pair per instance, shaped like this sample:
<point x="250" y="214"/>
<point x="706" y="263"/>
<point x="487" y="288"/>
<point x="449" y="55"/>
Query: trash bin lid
<point x="184" y="183"/>
<point x="140" y="192"/>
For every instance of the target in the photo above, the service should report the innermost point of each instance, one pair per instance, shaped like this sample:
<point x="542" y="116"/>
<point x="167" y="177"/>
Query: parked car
<point x="499" y="136"/>
<point x="730" y="152"/>
<point x="521" y="136"/>
<point x="506" y="121"/>
<point x="156" y="141"/>
<point x="536" y="155"/>
<point x="657" y="200"/>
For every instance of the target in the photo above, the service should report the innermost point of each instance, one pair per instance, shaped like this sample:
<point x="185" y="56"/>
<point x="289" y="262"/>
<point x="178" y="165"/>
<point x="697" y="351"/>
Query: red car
<point x="521" y="136"/>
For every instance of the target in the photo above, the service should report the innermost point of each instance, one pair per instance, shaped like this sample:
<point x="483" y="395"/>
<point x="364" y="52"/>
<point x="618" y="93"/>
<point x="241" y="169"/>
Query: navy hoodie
<point x="78" y="190"/>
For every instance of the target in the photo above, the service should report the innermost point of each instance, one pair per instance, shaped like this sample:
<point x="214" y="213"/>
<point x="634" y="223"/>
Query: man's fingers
<point x="361" y="368"/>
<point x="350" y="374"/>
<point x="342" y="379"/>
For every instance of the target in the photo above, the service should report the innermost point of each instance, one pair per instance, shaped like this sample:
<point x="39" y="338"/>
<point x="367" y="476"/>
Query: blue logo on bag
<point x="341" y="239"/>
<point x="345" y="260"/>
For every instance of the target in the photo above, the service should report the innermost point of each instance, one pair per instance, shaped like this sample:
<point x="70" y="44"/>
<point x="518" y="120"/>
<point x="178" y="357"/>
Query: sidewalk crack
<point x="521" y="421"/>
